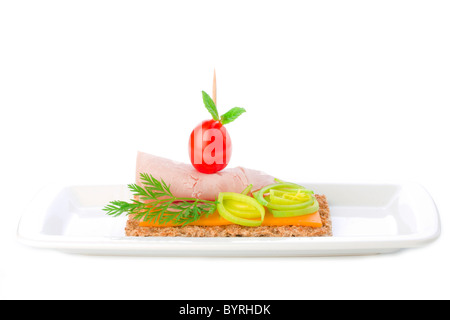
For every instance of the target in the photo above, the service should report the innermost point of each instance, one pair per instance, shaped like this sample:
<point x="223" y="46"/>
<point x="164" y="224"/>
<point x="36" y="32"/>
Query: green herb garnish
<point x="231" y="115"/>
<point x="210" y="105"/>
<point x="157" y="203"/>
<point x="227" y="117"/>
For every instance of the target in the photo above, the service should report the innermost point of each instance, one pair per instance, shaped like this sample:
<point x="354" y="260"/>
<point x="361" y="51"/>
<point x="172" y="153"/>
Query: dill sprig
<point x="157" y="203"/>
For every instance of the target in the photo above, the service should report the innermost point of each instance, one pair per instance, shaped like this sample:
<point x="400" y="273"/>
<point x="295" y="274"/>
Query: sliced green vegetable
<point x="248" y="189"/>
<point x="241" y="209"/>
<point x="281" y="193"/>
<point x="246" y="213"/>
<point x="285" y="199"/>
<point x="286" y="186"/>
<point x="297" y="212"/>
<point x="298" y="205"/>
<point x="273" y="200"/>
<point x="299" y="194"/>
<point x="229" y="204"/>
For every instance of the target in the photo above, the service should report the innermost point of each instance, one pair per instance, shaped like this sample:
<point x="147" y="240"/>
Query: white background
<point x="334" y="91"/>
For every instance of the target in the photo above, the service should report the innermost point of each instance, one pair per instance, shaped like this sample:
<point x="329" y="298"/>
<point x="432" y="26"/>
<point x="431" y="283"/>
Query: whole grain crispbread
<point x="133" y="229"/>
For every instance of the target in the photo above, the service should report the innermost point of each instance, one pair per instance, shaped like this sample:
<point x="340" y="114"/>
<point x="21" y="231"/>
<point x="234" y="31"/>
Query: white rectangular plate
<point x="367" y="219"/>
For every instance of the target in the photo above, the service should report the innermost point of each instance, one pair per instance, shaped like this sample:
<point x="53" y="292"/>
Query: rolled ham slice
<point x="185" y="181"/>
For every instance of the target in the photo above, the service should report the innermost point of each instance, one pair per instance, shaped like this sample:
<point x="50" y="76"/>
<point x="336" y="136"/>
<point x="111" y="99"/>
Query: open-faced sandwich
<point x="206" y="199"/>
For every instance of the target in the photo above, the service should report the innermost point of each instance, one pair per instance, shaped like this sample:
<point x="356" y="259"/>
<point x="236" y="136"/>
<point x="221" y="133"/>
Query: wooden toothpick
<point x="214" y="93"/>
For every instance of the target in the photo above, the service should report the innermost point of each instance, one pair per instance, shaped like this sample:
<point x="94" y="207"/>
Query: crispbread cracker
<point x="134" y="230"/>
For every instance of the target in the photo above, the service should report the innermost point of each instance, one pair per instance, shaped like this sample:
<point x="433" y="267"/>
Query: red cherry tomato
<point x="210" y="147"/>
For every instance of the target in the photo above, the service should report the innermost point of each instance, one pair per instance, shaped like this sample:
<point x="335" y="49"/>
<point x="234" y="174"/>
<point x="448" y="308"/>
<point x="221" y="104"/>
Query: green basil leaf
<point x="210" y="105"/>
<point x="231" y="115"/>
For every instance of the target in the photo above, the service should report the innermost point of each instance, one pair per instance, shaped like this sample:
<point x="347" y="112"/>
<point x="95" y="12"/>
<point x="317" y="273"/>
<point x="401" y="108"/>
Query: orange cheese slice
<point x="309" y="220"/>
